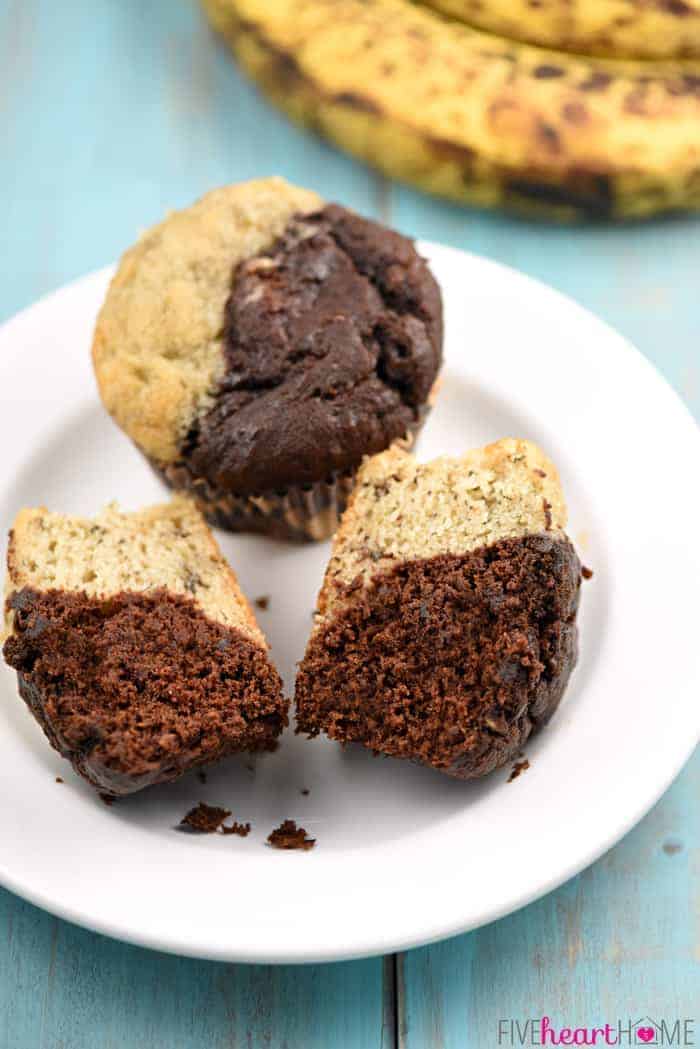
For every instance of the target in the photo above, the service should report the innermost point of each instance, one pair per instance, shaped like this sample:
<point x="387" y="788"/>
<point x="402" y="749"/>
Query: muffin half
<point x="445" y="629"/>
<point x="134" y="647"/>
<point x="258" y="344"/>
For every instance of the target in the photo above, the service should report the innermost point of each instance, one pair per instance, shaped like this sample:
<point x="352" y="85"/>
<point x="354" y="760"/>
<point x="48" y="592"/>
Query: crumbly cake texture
<point x="445" y="628"/>
<point x="134" y="647"/>
<point x="167" y="546"/>
<point x="158" y="344"/>
<point x="203" y="819"/>
<point x="258" y="345"/>
<point x="289" y="836"/>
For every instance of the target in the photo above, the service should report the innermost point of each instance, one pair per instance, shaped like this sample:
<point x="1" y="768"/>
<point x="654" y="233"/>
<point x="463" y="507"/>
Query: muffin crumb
<point x="241" y="829"/>
<point x="518" y="768"/>
<point x="289" y="836"/>
<point x="203" y="819"/>
<point x="586" y="572"/>
<point x="262" y="602"/>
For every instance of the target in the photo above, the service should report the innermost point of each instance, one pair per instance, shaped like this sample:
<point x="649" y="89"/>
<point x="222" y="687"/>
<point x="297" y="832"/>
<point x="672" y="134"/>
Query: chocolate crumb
<point x="241" y="829"/>
<point x="203" y="819"/>
<point x="518" y="768"/>
<point x="547" y="507"/>
<point x="289" y="836"/>
<point x="305" y="791"/>
<point x="202" y="776"/>
<point x="108" y="799"/>
<point x="262" y="602"/>
<point x="586" y="572"/>
<point x="58" y="779"/>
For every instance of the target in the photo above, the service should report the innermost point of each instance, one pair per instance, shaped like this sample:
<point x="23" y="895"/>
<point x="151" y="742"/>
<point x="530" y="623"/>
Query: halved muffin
<point x="258" y="344"/>
<point x="134" y="647"/>
<point x="445" y="629"/>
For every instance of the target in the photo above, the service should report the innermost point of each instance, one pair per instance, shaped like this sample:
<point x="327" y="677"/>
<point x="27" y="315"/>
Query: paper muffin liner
<point x="302" y="513"/>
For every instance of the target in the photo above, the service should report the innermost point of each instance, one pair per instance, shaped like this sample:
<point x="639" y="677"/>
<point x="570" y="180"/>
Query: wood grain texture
<point x="64" y="988"/>
<point x="112" y="113"/>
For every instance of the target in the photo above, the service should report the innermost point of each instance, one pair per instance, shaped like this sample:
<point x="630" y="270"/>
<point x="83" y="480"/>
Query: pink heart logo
<point x="645" y="1034"/>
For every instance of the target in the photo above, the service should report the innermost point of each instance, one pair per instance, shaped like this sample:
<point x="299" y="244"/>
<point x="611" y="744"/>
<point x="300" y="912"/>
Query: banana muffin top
<point x="265" y="339"/>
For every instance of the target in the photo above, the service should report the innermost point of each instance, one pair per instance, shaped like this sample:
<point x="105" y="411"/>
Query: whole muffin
<point x="257" y="345"/>
<point x="445" y="629"/>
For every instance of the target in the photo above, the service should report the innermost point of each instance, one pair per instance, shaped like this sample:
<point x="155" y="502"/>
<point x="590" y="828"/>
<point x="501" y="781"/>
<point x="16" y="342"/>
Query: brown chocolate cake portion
<point x="451" y="661"/>
<point x="136" y="688"/>
<point x="332" y="342"/>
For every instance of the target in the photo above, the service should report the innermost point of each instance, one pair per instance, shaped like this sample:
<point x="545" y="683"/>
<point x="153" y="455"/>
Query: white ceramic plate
<point x="404" y="855"/>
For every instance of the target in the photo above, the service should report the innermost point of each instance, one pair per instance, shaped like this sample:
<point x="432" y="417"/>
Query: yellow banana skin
<point x="612" y="28"/>
<point x="472" y="117"/>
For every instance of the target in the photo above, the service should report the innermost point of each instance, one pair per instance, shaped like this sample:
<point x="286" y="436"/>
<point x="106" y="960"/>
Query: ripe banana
<point x="616" y="28"/>
<point x="473" y="117"/>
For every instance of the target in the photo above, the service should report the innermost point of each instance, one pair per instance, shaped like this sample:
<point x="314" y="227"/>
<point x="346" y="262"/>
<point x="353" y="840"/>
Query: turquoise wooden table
<point x="113" y="112"/>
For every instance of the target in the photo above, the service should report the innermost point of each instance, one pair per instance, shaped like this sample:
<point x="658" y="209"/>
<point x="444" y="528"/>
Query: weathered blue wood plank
<point x="64" y="988"/>
<point x="620" y="941"/>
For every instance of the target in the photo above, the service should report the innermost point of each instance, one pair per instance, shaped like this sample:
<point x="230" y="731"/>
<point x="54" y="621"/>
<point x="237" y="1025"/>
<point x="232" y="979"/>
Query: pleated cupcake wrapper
<point x="301" y="512"/>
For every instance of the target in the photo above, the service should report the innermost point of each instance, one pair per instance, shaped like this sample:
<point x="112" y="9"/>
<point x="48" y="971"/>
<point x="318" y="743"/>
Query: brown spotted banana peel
<point x="473" y="117"/>
<point x="613" y="28"/>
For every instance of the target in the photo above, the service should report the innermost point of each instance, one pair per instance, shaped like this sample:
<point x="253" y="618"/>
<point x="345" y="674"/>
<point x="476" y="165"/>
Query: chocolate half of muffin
<point x="446" y="625"/>
<point x="325" y="342"/>
<point x="134" y="648"/>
